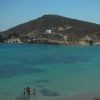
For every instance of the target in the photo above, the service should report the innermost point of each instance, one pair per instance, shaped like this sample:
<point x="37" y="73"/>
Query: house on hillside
<point x="48" y="31"/>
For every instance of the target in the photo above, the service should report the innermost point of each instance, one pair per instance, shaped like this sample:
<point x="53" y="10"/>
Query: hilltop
<point x="53" y="27"/>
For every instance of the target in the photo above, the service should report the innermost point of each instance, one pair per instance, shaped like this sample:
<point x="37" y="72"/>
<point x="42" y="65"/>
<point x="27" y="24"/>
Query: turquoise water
<point x="63" y="70"/>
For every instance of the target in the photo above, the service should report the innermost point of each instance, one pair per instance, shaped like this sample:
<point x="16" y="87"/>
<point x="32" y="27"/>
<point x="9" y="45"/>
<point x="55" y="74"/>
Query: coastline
<point x="87" y="96"/>
<point x="52" y="42"/>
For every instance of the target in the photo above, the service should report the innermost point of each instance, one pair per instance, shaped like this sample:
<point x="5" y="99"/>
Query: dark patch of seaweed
<point x="47" y="92"/>
<point x="9" y="71"/>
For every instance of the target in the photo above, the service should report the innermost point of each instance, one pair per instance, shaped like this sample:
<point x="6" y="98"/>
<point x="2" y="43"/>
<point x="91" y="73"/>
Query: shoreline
<point x="52" y="42"/>
<point x="84" y="96"/>
<point x="87" y="96"/>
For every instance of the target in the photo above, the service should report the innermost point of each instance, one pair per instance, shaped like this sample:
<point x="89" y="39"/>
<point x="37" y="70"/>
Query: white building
<point x="48" y="31"/>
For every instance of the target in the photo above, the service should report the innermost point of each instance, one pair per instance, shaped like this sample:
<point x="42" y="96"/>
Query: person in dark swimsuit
<point x="28" y="90"/>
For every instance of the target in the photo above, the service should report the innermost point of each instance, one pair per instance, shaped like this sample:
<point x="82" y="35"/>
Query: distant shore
<point x="53" y="43"/>
<point x="50" y="41"/>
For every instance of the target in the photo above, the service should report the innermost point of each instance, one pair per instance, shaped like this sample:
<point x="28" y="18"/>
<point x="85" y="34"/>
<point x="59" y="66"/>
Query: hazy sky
<point x="14" y="12"/>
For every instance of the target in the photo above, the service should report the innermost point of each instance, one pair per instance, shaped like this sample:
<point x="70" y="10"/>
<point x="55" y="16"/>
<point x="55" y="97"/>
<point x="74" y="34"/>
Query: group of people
<point x="28" y="91"/>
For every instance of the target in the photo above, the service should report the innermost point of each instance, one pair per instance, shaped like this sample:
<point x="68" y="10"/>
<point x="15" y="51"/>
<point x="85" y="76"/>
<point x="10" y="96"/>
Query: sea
<point x="53" y="70"/>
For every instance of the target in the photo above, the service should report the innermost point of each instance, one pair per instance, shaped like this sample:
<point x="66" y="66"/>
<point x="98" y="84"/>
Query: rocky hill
<point x="58" y="26"/>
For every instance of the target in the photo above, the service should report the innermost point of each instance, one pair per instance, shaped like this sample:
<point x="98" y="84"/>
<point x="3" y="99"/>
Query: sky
<point x="15" y="12"/>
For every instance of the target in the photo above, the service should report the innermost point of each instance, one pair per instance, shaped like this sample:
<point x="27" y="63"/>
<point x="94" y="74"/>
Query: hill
<point x="58" y="25"/>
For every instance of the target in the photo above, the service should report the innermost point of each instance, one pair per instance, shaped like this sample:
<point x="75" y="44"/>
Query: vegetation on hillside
<point x="60" y="26"/>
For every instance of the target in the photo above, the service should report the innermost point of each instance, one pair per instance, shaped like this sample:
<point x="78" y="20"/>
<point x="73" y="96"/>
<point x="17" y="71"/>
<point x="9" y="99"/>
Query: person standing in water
<point x="28" y="90"/>
<point x="34" y="93"/>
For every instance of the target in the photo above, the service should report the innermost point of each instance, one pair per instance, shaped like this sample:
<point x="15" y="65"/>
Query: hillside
<point x="74" y="29"/>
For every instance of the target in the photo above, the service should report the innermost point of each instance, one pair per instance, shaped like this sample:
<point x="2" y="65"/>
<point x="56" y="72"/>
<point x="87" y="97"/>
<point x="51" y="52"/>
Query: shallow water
<point x="52" y="70"/>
